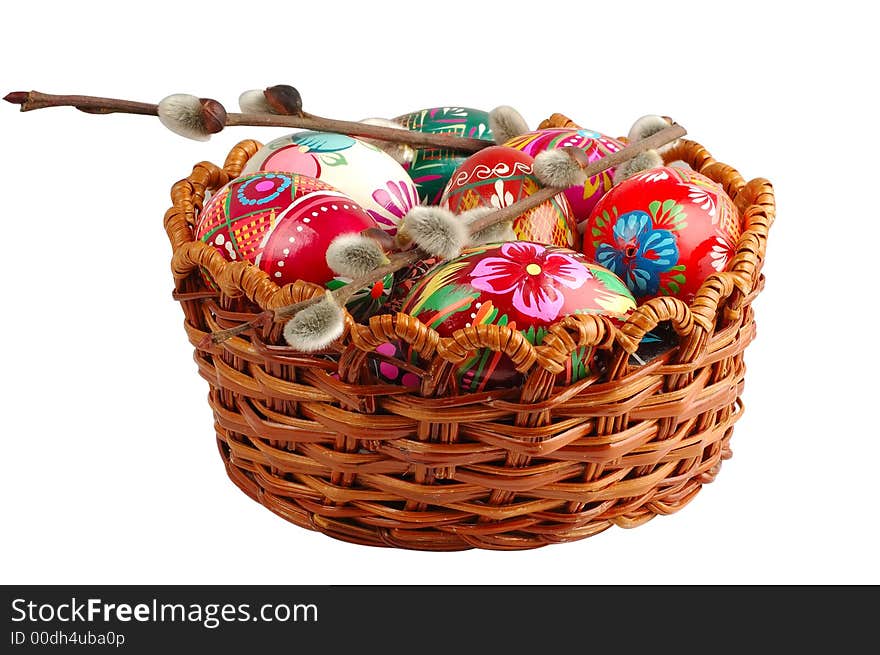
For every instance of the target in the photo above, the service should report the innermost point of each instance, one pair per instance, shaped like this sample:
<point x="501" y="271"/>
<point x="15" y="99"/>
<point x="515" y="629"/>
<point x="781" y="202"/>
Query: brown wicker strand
<point x="239" y="155"/>
<point x="557" y="120"/>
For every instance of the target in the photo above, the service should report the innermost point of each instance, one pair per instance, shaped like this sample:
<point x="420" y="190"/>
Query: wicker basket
<point x="323" y="444"/>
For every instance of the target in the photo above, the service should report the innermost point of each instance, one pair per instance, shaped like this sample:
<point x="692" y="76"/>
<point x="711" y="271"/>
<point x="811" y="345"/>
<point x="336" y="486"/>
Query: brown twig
<point x="352" y="128"/>
<point x="402" y="259"/>
<point x="31" y="100"/>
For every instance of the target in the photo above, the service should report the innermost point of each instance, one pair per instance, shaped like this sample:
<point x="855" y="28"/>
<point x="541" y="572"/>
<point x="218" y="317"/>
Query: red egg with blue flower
<point x="663" y="231"/>
<point x="595" y="146"/>
<point x="523" y="285"/>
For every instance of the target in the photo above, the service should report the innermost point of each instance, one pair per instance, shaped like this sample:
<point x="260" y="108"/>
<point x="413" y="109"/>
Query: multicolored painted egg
<point x="499" y="176"/>
<point x="405" y="279"/>
<point x="595" y="146"/>
<point x="431" y="168"/>
<point x="525" y="285"/>
<point x="368" y="175"/>
<point x="281" y="222"/>
<point x="367" y="301"/>
<point x="663" y="231"/>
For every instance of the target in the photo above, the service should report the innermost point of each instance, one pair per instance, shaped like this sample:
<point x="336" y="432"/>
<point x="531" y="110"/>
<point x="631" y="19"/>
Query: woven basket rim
<point x="726" y="290"/>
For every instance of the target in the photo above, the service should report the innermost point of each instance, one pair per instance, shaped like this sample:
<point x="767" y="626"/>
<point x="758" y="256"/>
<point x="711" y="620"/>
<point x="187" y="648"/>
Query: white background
<point x="110" y="472"/>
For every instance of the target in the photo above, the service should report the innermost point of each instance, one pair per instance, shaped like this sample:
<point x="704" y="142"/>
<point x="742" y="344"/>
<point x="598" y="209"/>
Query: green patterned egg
<point x="431" y="168"/>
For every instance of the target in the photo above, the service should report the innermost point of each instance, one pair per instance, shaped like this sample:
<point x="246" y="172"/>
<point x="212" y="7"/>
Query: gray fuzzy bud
<point x="641" y="162"/>
<point x="648" y="125"/>
<point x="556" y="168"/>
<point x="353" y="255"/>
<point x="435" y="230"/>
<point x="317" y="326"/>
<point x="506" y="123"/>
<point x="254" y="102"/>
<point x="182" y="114"/>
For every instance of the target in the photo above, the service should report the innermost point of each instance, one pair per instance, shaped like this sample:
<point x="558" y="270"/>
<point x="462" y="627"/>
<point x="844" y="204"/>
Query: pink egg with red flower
<point x="523" y="285"/>
<point x="663" y="231"/>
<point x="281" y="222"/>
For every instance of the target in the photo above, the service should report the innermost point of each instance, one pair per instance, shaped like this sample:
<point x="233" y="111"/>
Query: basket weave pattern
<point x="318" y="440"/>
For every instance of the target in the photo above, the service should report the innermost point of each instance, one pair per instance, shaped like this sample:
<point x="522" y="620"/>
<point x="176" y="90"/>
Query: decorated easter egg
<point x="368" y="175"/>
<point x="499" y="176"/>
<point x="524" y="285"/>
<point x="431" y="168"/>
<point x="595" y="145"/>
<point x="367" y="301"/>
<point x="281" y="222"/>
<point x="663" y="231"/>
<point x="406" y="278"/>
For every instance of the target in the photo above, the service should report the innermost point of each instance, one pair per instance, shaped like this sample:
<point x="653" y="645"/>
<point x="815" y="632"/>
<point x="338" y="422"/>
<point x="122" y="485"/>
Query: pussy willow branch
<point x="406" y="258"/>
<point x="661" y="138"/>
<point x="32" y="100"/>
